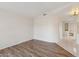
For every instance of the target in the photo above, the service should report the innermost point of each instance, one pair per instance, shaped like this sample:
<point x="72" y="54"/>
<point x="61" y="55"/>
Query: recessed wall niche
<point x="66" y="26"/>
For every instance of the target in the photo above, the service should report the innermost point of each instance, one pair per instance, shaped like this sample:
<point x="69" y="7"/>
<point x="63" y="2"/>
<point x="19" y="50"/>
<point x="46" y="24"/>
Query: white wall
<point x="77" y="39"/>
<point x="46" y="28"/>
<point x="14" y="29"/>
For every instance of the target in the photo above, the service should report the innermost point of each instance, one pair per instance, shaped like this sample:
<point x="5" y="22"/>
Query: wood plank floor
<point x="35" y="48"/>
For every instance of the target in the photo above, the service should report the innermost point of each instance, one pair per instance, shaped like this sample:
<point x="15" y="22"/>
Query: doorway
<point x="69" y="30"/>
<point x="68" y="36"/>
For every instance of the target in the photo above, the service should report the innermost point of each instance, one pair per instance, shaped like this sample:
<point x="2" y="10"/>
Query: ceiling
<point x="31" y="9"/>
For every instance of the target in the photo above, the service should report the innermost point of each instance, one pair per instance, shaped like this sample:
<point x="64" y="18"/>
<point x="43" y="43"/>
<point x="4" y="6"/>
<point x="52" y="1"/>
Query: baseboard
<point x="43" y="41"/>
<point x="16" y="44"/>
